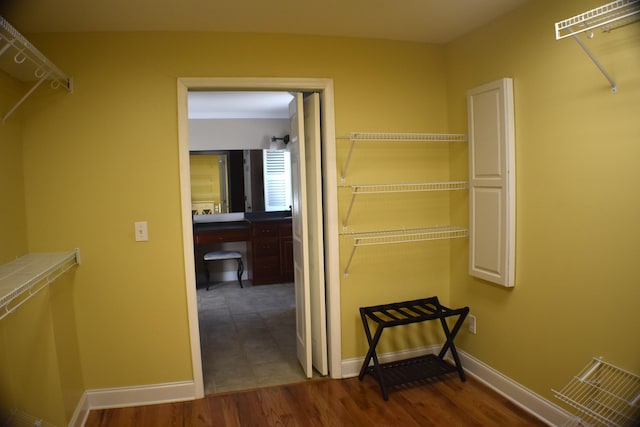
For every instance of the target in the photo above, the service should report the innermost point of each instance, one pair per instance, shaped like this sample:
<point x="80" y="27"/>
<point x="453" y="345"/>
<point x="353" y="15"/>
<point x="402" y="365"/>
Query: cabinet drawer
<point x="265" y="229"/>
<point x="266" y="247"/>
<point x="267" y="269"/>
<point x="205" y="238"/>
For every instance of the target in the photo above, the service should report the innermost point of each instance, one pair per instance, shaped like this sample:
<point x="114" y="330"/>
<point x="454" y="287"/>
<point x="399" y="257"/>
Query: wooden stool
<point x="222" y="255"/>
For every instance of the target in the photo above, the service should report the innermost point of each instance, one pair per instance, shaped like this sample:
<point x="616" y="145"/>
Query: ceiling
<point x="427" y="21"/>
<point x="239" y="105"/>
<point x="431" y="21"/>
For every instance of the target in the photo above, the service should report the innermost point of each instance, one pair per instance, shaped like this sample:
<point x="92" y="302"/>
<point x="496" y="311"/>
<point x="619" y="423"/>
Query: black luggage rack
<point x="416" y="368"/>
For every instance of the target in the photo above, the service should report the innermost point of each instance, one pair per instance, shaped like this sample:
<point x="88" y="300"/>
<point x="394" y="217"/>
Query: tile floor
<point x="247" y="336"/>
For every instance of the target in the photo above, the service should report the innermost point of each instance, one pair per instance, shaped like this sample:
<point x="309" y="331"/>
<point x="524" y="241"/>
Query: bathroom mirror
<point x="226" y="181"/>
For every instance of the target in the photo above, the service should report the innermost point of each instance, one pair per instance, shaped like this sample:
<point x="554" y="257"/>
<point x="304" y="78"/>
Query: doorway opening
<point x="329" y="204"/>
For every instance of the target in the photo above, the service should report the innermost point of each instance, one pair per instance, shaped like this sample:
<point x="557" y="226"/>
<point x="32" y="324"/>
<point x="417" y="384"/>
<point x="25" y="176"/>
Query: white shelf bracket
<point x="608" y="17"/>
<point x="614" y="88"/>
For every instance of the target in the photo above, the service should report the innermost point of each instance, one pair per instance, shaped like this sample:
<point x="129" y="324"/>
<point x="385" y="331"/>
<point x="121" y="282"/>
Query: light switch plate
<point x="142" y="231"/>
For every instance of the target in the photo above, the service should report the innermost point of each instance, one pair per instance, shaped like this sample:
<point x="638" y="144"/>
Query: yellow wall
<point x="13" y="231"/>
<point x="577" y="148"/>
<point x="106" y="156"/>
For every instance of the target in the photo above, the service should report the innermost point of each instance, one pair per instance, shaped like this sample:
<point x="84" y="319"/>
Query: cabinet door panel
<point x="492" y="182"/>
<point x="266" y="247"/>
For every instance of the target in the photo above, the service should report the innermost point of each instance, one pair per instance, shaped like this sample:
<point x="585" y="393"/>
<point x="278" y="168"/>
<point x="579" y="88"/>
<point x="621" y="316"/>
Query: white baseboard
<point x="81" y="413"/>
<point x="531" y="402"/>
<point x="131" y="396"/>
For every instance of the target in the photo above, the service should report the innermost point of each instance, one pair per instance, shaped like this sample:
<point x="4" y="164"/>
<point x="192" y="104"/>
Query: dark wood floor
<point x="325" y="402"/>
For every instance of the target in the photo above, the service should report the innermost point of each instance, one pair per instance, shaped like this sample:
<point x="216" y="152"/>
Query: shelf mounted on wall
<point x="399" y="188"/>
<point x="603" y="395"/>
<point x="27" y="275"/>
<point x="395" y="137"/>
<point x="388" y="237"/>
<point x="22" y="61"/>
<point x="608" y="17"/>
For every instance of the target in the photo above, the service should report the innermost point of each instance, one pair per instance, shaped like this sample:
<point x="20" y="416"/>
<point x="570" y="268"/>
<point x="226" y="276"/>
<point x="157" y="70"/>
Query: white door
<point x="313" y="172"/>
<point x="492" y="187"/>
<point x="300" y="235"/>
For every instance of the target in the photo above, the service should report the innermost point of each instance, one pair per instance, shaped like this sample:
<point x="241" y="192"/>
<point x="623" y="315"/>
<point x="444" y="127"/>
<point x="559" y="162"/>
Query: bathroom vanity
<point x="268" y="237"/>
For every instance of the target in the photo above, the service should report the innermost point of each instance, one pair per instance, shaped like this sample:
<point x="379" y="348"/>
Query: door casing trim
<point x="330" y="203"/>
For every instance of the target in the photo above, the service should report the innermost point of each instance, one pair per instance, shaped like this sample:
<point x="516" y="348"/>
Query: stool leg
<point x="208" y="275"/>
<point x="240" y="270"/>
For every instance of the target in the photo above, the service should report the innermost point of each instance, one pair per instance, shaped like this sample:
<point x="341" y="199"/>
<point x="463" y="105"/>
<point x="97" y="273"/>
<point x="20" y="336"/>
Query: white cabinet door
<point x="492" y="199"/>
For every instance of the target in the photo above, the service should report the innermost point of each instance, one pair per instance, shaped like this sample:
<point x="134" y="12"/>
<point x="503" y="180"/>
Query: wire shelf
<point x="26" y="63"/>
<point x="27" y="275"/>
<point x="387" y="237"/>
<point x="395" y="137"/>
<point x="604" y="395"/>
<point x="400" y="188"/>
<point x="408" y="188"/>
<point x="608" y="16"/>
<point x="403" y="137"/>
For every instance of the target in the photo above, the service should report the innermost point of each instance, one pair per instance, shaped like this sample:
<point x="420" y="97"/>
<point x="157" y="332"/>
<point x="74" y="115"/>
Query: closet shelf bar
<point x="27" y="54"/>
<point x="25" y="276"/>
<point x="400" y="188"/>
<point x="387" y="237"/>
<point x="609" y="16"/>
<point x="395" y="137"/>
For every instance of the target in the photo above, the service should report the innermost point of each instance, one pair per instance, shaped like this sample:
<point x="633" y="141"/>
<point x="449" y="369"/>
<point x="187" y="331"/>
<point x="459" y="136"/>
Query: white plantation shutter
<point x="277" y="180"/>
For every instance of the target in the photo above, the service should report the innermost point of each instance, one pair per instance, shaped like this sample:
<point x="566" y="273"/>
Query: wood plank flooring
<point x="327" y="402"/>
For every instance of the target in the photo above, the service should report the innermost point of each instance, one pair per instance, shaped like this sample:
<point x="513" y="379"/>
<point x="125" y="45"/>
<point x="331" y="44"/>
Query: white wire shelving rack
<point x="399" y="188"/>
<point x="25" y="276"/>
<point x="22" y="61"/>
<point x="603" y="395"/>
<point x="388" y="237"/>
<point x="608" y="17"/>
<point x="394" y="137"/>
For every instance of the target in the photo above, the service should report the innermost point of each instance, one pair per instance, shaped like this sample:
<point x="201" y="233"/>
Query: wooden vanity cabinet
<point x="271" y="252"/>
<point x="286" y="251"/>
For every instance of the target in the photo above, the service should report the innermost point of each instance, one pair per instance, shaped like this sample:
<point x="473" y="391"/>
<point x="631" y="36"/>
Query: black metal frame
<point x="417" y="368"/>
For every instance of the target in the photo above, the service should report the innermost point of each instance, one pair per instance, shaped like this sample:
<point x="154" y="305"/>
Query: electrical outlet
<point x="471" y="323"/>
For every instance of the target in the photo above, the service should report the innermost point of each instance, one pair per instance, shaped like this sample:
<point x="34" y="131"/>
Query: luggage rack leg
<point x="371" y="354"/>
<point x="448" y="345"/>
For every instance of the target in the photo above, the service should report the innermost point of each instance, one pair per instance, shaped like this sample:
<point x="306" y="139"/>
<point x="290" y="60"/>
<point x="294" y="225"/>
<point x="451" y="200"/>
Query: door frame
<point x="330" y="203"/>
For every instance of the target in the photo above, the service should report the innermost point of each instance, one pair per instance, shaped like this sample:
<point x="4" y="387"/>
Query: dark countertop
<point x="228" y="225"/>
<point x="267" y="216"/>
<point x="250" y="217"/>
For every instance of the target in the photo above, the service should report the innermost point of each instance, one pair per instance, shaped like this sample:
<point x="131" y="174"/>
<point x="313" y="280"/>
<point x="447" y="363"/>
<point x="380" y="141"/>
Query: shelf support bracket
<point x="353" y="251"/>
<point x="346" y="217"/>
<point x="343" y="175"/>
<point x="614" y="88"/>
<point x="26" y="95"/>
